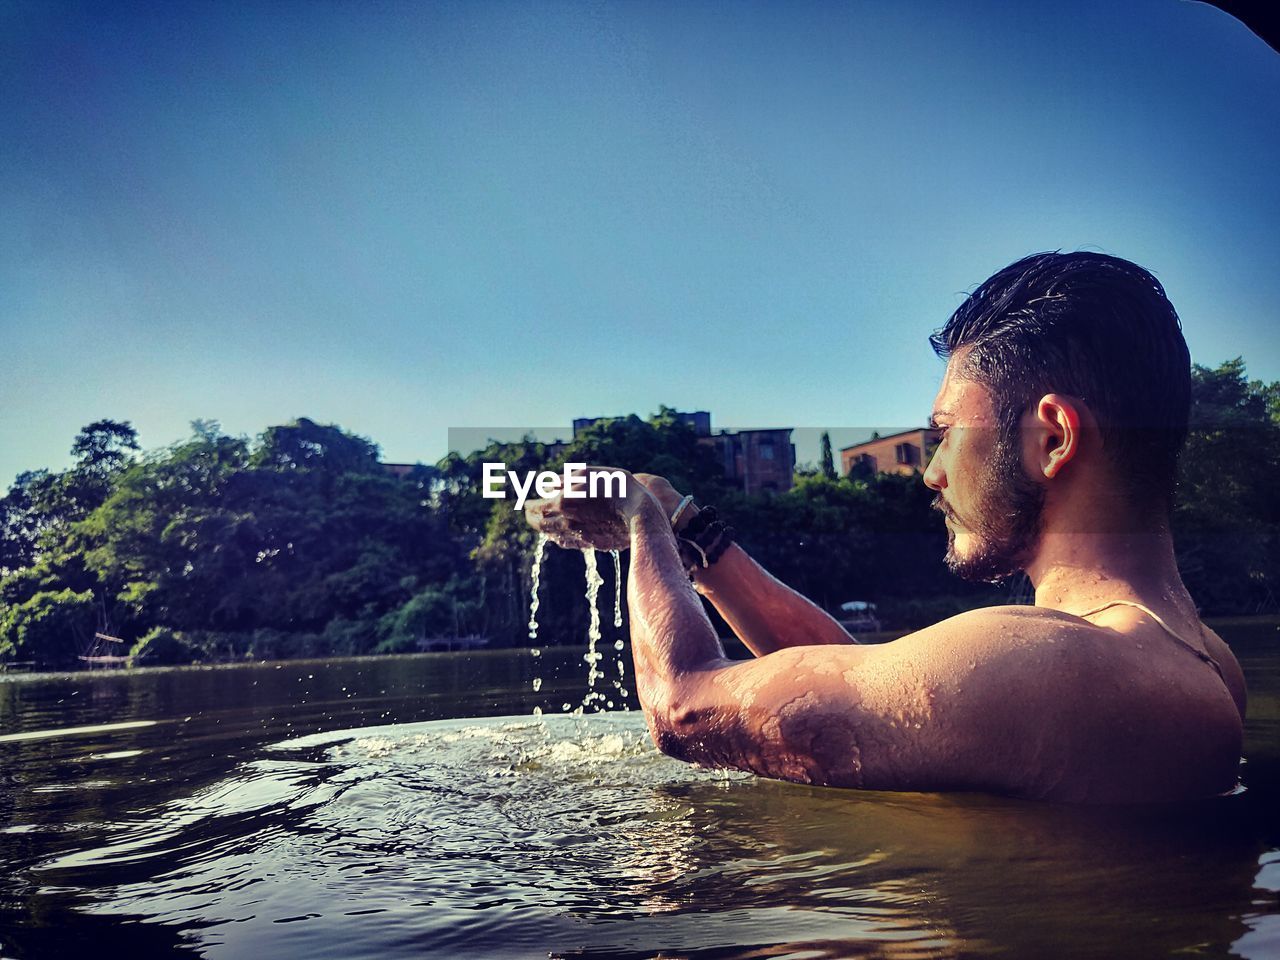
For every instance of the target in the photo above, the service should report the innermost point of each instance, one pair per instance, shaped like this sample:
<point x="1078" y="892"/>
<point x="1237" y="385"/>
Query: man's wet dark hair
<point x="1092" y="326"/>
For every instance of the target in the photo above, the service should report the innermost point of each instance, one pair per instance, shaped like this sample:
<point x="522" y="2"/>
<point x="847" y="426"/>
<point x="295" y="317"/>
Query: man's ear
<point x="1058" y="422"/>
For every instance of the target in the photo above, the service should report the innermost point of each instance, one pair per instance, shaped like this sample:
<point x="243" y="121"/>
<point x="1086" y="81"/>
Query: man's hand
<point x="602" y="521"/>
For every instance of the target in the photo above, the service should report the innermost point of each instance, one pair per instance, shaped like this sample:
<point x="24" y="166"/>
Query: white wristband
<point x="680" y="509"/>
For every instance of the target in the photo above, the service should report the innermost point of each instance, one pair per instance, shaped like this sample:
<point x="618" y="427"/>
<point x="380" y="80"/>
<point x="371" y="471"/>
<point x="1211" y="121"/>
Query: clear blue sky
<point x="410" y="217"/>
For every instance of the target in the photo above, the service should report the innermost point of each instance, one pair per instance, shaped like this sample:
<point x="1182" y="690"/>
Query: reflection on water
<point x="219" y="831"/>
<point x="74" y="731"/>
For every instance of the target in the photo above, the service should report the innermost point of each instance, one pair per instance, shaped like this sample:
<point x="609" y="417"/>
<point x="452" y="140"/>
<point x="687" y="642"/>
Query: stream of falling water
<point x="617" y="622"/>
<point x="592" y="656"/>
<point x="535" y="581"/>
<point x="617" y="587"/>
<point x="593" y="698"/>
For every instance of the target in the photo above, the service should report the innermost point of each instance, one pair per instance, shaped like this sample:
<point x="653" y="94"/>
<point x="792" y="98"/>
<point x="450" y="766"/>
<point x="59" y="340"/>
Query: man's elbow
<point x="671" y="743"/>
<point x="675" y="725"/>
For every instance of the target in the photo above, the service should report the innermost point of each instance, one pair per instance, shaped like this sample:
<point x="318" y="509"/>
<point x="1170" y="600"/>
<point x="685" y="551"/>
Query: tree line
<point x="300" y="543"/>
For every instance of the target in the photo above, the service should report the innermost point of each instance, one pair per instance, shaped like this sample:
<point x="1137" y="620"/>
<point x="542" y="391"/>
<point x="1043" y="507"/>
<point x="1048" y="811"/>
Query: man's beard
<point x="1005" y="530"/>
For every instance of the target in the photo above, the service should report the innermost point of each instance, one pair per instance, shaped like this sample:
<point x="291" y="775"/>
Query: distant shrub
<point x="163" y="646"/>
<point x="50" y="627"/>
<point x="347" y="638"/>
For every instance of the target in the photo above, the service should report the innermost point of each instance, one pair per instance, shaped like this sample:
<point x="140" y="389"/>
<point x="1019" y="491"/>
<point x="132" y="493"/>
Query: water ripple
<point x="568" y="836"/>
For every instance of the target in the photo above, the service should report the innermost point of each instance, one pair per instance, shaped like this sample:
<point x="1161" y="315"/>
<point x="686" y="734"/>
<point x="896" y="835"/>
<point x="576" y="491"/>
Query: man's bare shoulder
<point x="1003" y="633"/>
<point x="1076" y="710"/>
<point x="1014" y="619"/>
<point x="985" y="662"/>
<point x="1028" y="661"/>
<point x="997" y="642"/>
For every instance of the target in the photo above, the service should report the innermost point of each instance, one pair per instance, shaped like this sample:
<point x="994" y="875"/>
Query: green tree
<point x="827" y="463"/>
<point x="40" y="504"/>
<point x="50" y="626"/>
<point x="105" y="446"/>
<point x="26" y="511"/>
<point x="1226" y="518"/>
<point x="306" y="445"/>
<point x="301" y="530"/>
<point x="102" y="450"/>
<point x="449" y="609"/>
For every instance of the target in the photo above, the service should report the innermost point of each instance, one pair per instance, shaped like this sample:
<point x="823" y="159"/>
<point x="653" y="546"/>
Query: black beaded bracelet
<point x="704" y="540"/>
<point x="706" y="516"/>
<point x="721" y="545"/>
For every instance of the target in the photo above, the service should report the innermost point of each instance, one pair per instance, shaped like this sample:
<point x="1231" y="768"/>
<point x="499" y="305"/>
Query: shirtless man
<point x="1062" y="409"/>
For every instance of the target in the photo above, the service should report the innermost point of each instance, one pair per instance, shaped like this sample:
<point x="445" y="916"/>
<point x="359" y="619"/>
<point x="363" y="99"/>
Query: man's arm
<point x="763" y="612"/>
<point x="925" y="712"/>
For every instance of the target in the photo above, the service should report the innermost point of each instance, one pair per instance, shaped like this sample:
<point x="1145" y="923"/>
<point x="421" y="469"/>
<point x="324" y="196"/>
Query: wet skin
<point x="1028" y="701"/>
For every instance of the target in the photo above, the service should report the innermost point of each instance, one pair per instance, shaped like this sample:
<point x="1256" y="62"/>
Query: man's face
<point x="992" y="508"/>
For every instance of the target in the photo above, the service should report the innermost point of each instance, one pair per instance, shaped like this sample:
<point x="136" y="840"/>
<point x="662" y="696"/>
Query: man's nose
<point x="935" y="478"/>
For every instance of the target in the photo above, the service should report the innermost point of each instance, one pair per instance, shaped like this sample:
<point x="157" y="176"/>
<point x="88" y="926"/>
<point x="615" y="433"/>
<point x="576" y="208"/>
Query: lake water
<point x="342" y="809"/>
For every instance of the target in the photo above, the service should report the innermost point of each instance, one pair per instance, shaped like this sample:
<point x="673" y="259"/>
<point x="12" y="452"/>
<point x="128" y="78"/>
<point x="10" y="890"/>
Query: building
<point x="904" y="452"/>
<point x="759" y="461"/>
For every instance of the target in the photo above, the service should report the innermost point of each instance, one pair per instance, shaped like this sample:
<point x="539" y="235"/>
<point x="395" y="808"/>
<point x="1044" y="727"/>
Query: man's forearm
<point x="670" y="633"/>
<point x="764" y="612"/>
